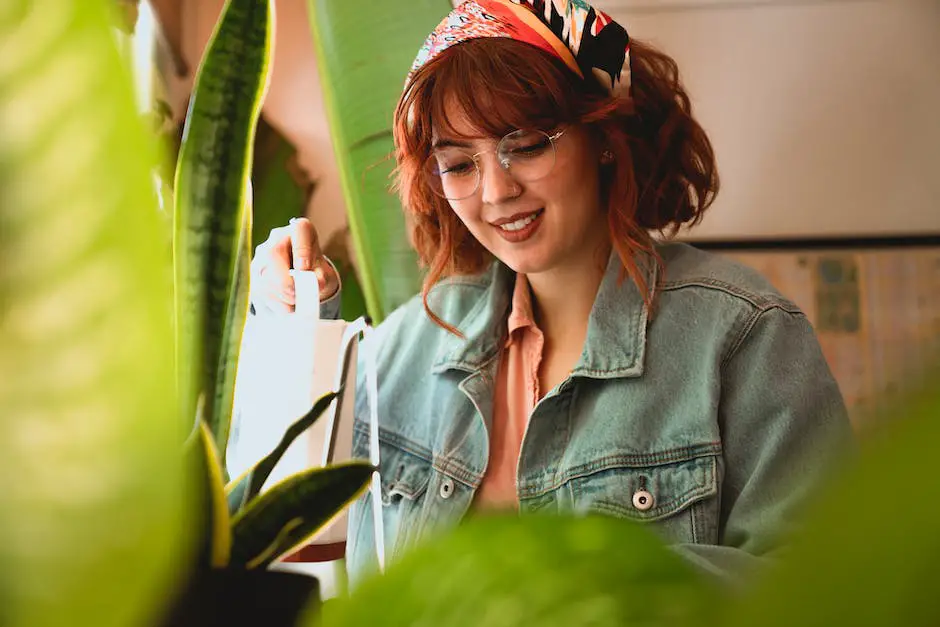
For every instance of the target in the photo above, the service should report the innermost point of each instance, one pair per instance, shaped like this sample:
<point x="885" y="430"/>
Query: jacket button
<point x="642" y="500"/>
<point x="447" y="488"/>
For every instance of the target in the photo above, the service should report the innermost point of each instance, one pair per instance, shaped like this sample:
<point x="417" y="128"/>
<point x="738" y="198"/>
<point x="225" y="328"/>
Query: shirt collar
<point x="521" y="315"/>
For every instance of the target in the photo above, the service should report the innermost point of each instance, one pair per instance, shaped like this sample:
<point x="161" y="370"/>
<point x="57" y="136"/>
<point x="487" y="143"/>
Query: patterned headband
<point x="588" y="41"/>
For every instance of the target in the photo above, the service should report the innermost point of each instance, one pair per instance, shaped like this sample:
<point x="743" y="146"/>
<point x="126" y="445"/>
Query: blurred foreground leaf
<point x="551" y="572"/>
<point x="870" y="554"/>
<point x="92" y="528"/>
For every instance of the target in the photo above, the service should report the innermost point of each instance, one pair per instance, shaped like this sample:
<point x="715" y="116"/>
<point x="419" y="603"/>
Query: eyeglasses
<point x="527" y="155"/>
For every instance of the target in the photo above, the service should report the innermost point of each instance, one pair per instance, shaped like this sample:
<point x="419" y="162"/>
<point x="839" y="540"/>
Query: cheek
<point x="576" y="192"/>
<point x="466" y="213"/>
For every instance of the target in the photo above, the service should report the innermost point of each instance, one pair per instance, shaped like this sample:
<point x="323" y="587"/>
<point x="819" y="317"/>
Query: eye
<point x="454" y="163"/>
<point x="526" y="145"/>
<point x="535" y="146"/>
<point x="458" y="169"/>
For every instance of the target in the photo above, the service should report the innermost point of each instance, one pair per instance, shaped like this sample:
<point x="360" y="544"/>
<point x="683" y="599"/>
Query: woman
<point x="559" y="358"/>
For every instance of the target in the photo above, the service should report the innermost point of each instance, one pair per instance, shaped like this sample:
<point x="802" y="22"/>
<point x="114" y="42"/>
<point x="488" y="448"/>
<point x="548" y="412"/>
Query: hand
<point x="293" y="246"/>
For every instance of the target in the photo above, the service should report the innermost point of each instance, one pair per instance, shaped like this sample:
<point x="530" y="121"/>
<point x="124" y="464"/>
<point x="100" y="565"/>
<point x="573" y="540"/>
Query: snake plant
<point x="212" y="235"/>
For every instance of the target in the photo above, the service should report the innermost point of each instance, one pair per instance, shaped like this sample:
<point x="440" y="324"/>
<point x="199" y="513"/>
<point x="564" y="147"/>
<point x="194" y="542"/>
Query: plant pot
<point x="236" y="598"/>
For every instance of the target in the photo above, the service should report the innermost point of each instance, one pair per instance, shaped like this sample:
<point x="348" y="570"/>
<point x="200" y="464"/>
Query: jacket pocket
<point x="678" y="497"/>
<point x="404" y="474"/>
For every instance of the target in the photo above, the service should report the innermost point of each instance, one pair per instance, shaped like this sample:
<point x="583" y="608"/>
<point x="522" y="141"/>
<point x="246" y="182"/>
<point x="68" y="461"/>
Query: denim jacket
<point x="710" y="420"/>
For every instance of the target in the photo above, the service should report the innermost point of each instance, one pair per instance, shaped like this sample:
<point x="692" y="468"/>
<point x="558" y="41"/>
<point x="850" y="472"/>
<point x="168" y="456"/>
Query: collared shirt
<point x="515" y="396"/>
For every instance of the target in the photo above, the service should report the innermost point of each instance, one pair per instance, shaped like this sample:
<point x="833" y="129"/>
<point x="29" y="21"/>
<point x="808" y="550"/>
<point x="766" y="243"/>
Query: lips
<point x="518" y="217"/>
<point x="519" y="227"/>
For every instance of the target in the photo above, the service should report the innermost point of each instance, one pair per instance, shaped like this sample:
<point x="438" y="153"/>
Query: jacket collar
<point x="616" y="338"/>
<point x="484" y="325"/>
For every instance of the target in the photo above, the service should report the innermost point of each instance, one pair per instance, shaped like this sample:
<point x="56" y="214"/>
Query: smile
<point x="519" y="227"/>
<point x="521" y="223"/>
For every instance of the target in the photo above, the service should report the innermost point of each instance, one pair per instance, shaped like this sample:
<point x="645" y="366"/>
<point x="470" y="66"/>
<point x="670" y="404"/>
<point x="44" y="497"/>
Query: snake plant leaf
<point x="216" y="537"/>
<point x="293" y="510"/>
<point x="550" y="571"/>
<point x="364" y="51"/>
<point x="236" y="314"/>
<point x="249" y="484"/>
<point x="236" y="492"/>
<point x="95" y="513"/>
<point x="867" y="555"/>
<point x="211" y="181"/>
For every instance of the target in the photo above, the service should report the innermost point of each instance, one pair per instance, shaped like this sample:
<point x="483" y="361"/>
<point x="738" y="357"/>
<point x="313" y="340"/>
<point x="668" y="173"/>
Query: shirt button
<point x="447" y="488"/>
<point x="642" y="500"/>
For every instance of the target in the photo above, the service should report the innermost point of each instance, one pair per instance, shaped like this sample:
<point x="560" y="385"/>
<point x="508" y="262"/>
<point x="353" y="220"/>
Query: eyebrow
<point x="447" y="143"/>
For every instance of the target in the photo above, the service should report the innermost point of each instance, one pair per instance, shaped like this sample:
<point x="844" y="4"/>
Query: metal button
<point x="447" y="488"/>
<point x="642" y="500"/>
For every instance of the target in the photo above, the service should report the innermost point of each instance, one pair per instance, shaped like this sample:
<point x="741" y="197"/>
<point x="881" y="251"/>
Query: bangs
<point x="497" y="85"/>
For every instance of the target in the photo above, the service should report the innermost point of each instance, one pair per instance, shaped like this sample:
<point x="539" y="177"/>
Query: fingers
<point x="306" y="255"/>
<point x="295" y="245"/>
<point x="272" y="288"/>
<point x="304" y="244"/>
<point x="327" y="278"/>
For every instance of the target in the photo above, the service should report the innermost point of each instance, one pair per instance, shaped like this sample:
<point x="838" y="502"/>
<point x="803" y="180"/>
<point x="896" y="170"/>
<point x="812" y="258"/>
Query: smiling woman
<point x="539" y="152"/>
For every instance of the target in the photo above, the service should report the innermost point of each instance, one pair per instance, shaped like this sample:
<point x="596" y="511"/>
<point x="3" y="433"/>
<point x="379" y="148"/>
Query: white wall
<point x="825" y="115"/>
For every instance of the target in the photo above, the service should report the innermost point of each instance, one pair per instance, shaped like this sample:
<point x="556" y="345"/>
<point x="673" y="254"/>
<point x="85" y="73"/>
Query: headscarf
<point x="588" y="41"/>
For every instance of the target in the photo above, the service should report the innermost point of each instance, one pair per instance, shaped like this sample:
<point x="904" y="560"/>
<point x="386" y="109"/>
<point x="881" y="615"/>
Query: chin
<point x="524" y="263"/>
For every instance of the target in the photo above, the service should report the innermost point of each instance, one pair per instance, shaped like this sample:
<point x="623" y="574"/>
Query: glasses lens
<point x="452" y="173"/>
<point x="528" y="155"/>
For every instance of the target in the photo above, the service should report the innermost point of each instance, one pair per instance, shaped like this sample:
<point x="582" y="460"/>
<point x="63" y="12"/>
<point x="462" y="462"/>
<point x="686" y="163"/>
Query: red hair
<point x="663" y="175"/>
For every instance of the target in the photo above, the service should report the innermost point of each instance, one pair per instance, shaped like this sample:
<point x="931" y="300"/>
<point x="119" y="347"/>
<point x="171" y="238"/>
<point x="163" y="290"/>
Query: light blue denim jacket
<point x="710" y="420"/>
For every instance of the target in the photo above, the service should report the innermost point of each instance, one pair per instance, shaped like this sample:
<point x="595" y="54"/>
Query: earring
<point x="607" y="156"/>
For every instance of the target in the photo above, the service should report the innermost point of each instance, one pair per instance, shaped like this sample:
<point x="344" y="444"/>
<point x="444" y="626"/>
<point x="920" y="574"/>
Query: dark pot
<point x="236" y="598"/>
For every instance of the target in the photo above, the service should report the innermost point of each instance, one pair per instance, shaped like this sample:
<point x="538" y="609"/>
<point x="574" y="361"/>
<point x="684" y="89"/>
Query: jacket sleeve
<point x="783" y="426"/>
<point x="329" y="308"/>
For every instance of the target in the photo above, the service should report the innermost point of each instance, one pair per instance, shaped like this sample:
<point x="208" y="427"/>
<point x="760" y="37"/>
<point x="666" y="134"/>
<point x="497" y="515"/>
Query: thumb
<point x="304" y="245"/>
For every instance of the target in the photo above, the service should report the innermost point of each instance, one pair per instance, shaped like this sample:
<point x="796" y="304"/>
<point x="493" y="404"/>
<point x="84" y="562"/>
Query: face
<point x="534" y="226"/>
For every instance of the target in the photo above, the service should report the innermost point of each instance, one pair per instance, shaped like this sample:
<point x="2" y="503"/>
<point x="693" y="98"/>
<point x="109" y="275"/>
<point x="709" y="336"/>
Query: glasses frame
<point x="503" y="163"/>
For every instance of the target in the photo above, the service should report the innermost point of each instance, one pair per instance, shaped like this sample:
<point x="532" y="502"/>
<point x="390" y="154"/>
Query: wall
<point x="823" y="113"/>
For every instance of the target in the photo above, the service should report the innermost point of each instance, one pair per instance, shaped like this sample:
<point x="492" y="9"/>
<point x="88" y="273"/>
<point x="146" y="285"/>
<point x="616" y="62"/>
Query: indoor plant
<point x="246" y="529"/>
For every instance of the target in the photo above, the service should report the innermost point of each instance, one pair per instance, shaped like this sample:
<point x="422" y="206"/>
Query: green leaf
<point x="236" y="492"/>
<point x="249" y="484"/>
<point x="236" y="313"/>
<point x="211" y="181"/>
<point x="868" y="555"/>
<point x="216" y="537"/>
<point x="364" y="53"/>
<point x="294" y="510"/>
<point x="510" y="571"/>
<point x="94" y="513"/>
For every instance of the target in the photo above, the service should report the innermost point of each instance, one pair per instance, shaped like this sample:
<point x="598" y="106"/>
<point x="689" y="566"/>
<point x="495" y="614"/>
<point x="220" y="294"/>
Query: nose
<point x="497" y="183"/>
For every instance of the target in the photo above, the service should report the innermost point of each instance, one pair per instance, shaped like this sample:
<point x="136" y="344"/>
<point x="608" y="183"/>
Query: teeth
<point x="519" y="224"/>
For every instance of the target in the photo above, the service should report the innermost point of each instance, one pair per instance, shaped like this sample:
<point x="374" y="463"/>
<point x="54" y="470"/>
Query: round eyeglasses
<point x="528" y="155"/>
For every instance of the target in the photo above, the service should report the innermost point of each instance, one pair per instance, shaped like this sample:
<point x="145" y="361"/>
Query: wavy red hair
<point x="663" y="175"/>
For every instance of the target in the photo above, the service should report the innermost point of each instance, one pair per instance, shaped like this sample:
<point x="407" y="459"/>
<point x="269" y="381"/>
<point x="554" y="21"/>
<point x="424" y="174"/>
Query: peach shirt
<point x="515" y="396"/>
